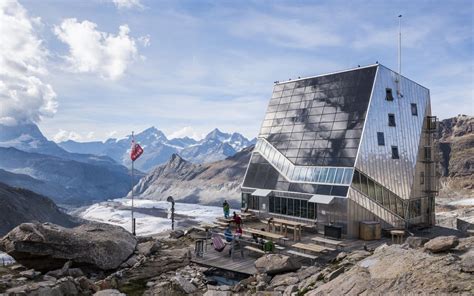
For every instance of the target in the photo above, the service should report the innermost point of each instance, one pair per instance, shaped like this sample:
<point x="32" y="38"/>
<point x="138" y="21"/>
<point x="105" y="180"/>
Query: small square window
<point x="388" y="94"/>
<point x="380" y="139"/>
<point x="391" y="119"/>
<point x="414" y="110"/>
<point x="395" y="152"/>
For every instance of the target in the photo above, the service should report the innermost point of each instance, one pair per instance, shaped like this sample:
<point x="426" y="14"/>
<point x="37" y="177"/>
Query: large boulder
<point x="276" y="263"/>
<point x="47" y="246"/>
<point x="416" y="242"/>
<point x="442" y="243"/>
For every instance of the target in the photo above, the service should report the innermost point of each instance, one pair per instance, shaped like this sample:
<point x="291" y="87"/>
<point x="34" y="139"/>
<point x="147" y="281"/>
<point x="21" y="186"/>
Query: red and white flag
<point x="136" y="151"/>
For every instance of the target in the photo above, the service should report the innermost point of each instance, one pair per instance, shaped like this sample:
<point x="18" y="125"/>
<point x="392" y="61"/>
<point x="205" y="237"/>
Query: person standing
<point x="237" y="220"/>
<point x="226" y="208"/>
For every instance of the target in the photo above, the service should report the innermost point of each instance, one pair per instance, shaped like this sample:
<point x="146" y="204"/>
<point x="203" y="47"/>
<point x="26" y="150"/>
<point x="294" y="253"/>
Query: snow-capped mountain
<point x="158" y="148"/>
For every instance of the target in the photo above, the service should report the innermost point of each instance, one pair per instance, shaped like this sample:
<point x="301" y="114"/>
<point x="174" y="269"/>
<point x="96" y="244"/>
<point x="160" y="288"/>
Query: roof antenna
<point x="399" y="54"/>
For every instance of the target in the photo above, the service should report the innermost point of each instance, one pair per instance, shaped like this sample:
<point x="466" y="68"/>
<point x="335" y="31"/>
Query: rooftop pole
<point x="133" y="218"/>
<point x="399" y="54"/>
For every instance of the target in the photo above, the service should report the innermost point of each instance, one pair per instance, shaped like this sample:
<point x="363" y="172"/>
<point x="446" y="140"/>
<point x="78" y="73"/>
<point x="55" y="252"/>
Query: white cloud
<point x="24" y="96"/>
<point x="127" y="4"/>
<point x="93" y="51"/>
<point x="64" y="135"/>
<point x="187" y="131"/>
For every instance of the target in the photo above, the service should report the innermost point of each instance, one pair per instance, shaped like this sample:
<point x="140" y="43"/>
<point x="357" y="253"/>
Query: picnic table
<point x="297" y="226"/>
<point x="264" y="233"/>
<point x="311" y="247"/>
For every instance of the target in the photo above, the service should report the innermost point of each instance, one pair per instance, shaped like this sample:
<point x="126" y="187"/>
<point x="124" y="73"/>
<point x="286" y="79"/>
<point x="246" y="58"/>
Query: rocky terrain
<point x="207" y="184"/>
<point x="20" y="205"/>
<point x="115" y="263"/>
<point x="456" y="148"/>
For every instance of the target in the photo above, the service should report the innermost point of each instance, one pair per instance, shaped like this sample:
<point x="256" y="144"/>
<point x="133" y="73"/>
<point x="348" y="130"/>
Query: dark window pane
<point x="371" y="186"/>
<point x="388" y="94"/>
<point x="363" y="182"/>
<point x="391" y="119"/>
<point x="290" y="207"/>
<point x="380" y="139"/>
<point x="395" y="152"/>
<point x="297" y="207"/>
<point x="356" y="180"/>
<point x="271" y="206"/>
<point x="277" y="205"/>
<point x="339" y="190"/>
<point x="304" y="209"/>
<point x="414" y="110"/>
<point x="324" y="189"/>
<point x="284" y="206"/>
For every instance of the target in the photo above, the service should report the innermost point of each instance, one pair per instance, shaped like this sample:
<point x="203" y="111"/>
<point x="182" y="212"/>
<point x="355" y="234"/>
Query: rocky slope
<point x="19" y="205"/>
<point x="198" y="183"/>
<point x="65" y="181"/>
<point x="456" y="148"/>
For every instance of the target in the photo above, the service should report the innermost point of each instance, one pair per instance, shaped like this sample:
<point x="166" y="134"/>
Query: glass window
<point x="347" y="176"/>
<point x="414" y="109"/>
<point x="356" y="180"/>
<point x="277" y="205"/>
<point x="363" y="184"/>
<point x="324" y="189"/>
<point x="378" y="193"/>
<point x="371" y="187"/>
<point x="284" y="206"/>
<point x="297" y="207"/>
<point x="323" y="175"/>
<point x="391" y="119"/>
<point x="331" y="175"/>
<point x="291" y="211"/>
<point x="427" y="153"/>
<point x="388" y="94"/>
<point x="399" y="206"/>
<point x="304" y="209"/>
<point x="338" y="178"/>
<point x="271" y="204"/>
<point x="380" y="139"/>
<point x="422" y="178"/>
<point x="395" y="152"/>
<point x="339" y="190"/>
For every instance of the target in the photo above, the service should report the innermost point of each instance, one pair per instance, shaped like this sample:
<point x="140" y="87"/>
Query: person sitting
<point x="269" y="246"/>
<point x="228" y="234"/>
<point x="238" y="231"/>
<point x="237" y="219"/>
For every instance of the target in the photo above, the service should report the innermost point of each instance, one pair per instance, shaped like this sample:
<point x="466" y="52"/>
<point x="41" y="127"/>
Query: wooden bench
<point x="224" y="224"/>
<point x="253" y="249"/>
<point x="327" y="241"/>
<point x="296" y="253"/>
<point x="312" y="247"/>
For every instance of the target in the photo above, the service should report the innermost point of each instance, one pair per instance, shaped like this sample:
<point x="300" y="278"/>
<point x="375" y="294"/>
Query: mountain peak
<point x="217" y="135"/>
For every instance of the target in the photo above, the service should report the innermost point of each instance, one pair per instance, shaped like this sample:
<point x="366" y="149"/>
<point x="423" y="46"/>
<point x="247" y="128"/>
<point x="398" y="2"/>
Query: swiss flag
<point x="136" y="151"/>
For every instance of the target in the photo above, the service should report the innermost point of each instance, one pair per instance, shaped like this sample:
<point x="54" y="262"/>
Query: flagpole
<point x="133" y="218"/>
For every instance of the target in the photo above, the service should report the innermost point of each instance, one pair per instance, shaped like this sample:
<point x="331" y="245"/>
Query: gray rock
<point x="217" y="293"/>
<point x="148" y="248"/>
<point x="416" y="242"/>
<point x="276" y="263"/>
<point x="334" y="274"/>
<point x="176" y="233"/>
<point x="467" y="263"/>
<point x="30" y="274"/>
<point x="284" y="280"/>
<point x="441" y="243"/>
<point x="47" y="246"/>
<point x="184" y="285"/>
<point x="289" y="290"/>
<point x="109" y="292"/>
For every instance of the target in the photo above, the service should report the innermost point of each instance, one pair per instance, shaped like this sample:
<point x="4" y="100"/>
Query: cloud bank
<point x="24" y="96"/>
<point x="93" y="51"/>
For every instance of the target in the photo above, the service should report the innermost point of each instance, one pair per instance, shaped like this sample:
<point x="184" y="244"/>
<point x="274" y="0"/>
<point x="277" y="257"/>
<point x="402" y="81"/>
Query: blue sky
<point x="189" y="66"/>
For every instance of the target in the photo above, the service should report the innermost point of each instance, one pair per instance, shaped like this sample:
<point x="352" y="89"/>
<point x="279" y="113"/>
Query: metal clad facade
<point x="375" y="160"/>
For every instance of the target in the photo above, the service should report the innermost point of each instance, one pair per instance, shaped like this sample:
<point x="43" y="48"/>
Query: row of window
<point x="334" y="175"/>
<point x="385" y="197"/>
<point x="293" y="207"/>
<point x="389" y="97"/>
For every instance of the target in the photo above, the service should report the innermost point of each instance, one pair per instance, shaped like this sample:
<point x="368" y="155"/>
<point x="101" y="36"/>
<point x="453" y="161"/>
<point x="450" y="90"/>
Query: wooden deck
<point x="222" y="260"/>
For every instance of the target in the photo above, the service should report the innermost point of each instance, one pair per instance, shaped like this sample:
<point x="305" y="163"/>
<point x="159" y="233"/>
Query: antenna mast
<point x="399" y="78"/>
